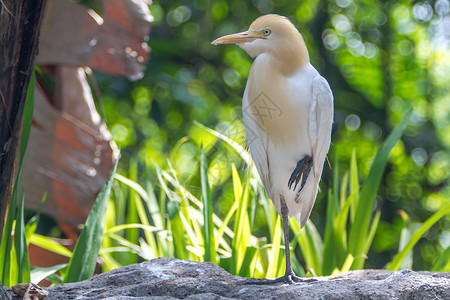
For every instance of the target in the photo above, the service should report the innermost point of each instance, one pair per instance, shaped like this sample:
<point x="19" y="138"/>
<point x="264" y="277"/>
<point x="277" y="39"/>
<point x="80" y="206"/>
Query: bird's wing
<point x="320" y="122"/>
<point x="319" y="130"/>
<point x="257" y="142"/>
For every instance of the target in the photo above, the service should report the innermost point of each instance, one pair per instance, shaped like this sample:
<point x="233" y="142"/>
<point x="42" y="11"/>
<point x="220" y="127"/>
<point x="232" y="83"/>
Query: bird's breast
<point x="279" y="104"/>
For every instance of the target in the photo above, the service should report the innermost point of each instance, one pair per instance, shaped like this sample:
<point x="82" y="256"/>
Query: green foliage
<point x="20" y="244"/>
<point x="396" y="262"/>
<point x="443" y="263"/>
<point x="236" y="247"/>
<point x="13" y="272"/>
<point x="208" y="228"/>
<point x="84" y="258"/>
<point x="360" y="239"/>
<point x="380" y="59"/>
<point x="193" y="231"/>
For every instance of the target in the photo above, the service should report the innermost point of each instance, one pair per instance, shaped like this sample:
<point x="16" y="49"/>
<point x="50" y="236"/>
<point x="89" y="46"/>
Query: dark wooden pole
<point x="19" y="33"/>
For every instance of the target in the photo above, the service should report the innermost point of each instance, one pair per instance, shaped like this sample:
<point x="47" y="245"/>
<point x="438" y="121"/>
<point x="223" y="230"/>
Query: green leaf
<point x="32" y="224"/>
<point x="354" y="185"/>
<point x="38" y="274"/>
<point x="132" y="234"/>
<point x="20" y="244"/>
<point x="49" y="244"/>
<point x="347" y="263"/>
<point x="248" y="258"/>
<point x="363" y="212"/>
<point x="208" y="225"/>
<point x="298" y="269"/>
<point x="239" y="149"/>
<point x="329" y="259"/>
<point x="443" y="262"/>
<point x="274" y="266"/>
<point x="372" y="231"/>
<point x="310" y="243"/>
<point x="179" y="228"/>
<point x="405" y="236"/>
<point x="27" y="117"/>
<point x="398" y="259"/>
<point x="5" y="247"/>
<point x="84" y="258"/>
<point x="242" y="222"/>
<point x="128" y="226"/>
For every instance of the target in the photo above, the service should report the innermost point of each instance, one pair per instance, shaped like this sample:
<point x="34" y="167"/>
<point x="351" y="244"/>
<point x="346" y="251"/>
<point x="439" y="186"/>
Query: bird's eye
<point x="266" y="32"/>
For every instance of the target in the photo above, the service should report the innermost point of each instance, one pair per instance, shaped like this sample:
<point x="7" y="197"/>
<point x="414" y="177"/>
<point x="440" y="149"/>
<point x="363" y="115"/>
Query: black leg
<point x="301" y="171"/>
<point x="289" y="275"/>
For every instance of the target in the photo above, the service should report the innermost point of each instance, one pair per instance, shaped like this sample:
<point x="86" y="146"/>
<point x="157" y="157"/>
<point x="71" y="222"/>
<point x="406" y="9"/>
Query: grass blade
<point x="310" y="243"/>
<point x="27" y="117"/>
<point x="132" y="234"/>
<point x="362" y="217"/>
<point x="217" y="221"/>
<point x="329" y="259"/>
<point x="128" y="226"/>
<point x="347" y="263"/>
<point x="242" y="223"/>
<point x="443" y="262"/>
<point x="398" y="259"/>
<point x="405" y="236"/>
<point x="20" y="244"/>
<point x="49" y="244"/>
<point x="84" y="258"/>
<point x="239" y="149"/>
<point x="274" y="266"/>
<point x="246" y="263"/>
<point x="354" y="186"/>
<point x="38" y="274"/>
<point x="179" y="227"/>
<point x="5" y="247"/>
<point x="208" y="225"/>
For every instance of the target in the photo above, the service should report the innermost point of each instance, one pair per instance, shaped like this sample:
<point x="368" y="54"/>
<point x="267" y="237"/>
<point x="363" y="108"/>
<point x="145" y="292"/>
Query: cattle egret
<point x="288" y="114"/>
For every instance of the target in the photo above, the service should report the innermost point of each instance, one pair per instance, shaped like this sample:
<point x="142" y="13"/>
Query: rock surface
<point x="168" y="278"/>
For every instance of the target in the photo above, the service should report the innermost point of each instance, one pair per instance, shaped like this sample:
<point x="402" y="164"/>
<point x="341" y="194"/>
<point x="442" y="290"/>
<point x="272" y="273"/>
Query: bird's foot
<point x="301" y="171"/>
<point x="289" y="278"/>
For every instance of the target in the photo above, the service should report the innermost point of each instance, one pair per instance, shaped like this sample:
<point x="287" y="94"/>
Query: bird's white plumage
<point x="288" y="113"/>
<point x="286" y="119"/>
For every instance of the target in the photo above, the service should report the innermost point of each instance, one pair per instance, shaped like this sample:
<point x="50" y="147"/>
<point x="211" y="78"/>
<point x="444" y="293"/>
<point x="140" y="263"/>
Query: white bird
<point x="288" y="115"/>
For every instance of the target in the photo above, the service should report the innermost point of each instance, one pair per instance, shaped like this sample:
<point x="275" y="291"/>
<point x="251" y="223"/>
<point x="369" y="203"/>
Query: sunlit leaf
<point x="82" y="264"/>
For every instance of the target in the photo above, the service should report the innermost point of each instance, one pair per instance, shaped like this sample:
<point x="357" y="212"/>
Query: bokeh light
<point x="179" y="15"/>
<point x="352" y="122"/>
<point x="419" y="156"/>
<point x="422" y="12"/>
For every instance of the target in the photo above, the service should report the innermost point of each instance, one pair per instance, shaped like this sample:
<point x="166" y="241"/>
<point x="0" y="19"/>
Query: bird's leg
<point x="285" y="216"/>
<point x="289" y="275"/>
<point x="301" y="171"/>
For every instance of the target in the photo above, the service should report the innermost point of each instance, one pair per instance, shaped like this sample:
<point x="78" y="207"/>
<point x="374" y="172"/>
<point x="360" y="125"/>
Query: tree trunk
<point x="19" y="32"/>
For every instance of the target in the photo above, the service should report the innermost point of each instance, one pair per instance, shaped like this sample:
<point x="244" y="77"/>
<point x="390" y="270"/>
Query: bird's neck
<point x="289" y="59"/>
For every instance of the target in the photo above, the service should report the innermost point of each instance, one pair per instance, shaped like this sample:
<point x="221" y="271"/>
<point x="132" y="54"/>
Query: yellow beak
<point x="237" y="38"/>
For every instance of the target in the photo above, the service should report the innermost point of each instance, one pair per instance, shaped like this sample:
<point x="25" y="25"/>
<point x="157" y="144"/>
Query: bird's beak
<point x="237" y="38"/>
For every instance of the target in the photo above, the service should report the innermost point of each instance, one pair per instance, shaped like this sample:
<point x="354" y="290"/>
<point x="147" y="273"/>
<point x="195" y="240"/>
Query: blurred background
<point x="380" y="57"/>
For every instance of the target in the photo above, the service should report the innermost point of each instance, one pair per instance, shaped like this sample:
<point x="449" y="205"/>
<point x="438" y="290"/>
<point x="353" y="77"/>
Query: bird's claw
<point x="290" y="278"/>
<point x="297" y="279"/>
<point x="301" y="171"/>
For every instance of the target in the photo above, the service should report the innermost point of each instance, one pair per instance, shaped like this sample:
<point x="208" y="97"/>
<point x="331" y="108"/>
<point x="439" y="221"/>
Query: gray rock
<point x="3" y="293"/>
<point x="168" y="278"/>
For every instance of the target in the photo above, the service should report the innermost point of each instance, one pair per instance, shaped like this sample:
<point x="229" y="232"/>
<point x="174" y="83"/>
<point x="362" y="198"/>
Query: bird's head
<point x="271" y="34"/>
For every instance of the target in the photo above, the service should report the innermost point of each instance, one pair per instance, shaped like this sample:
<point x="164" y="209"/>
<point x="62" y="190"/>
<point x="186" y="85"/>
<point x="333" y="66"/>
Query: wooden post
<point x="19" y="33"/>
